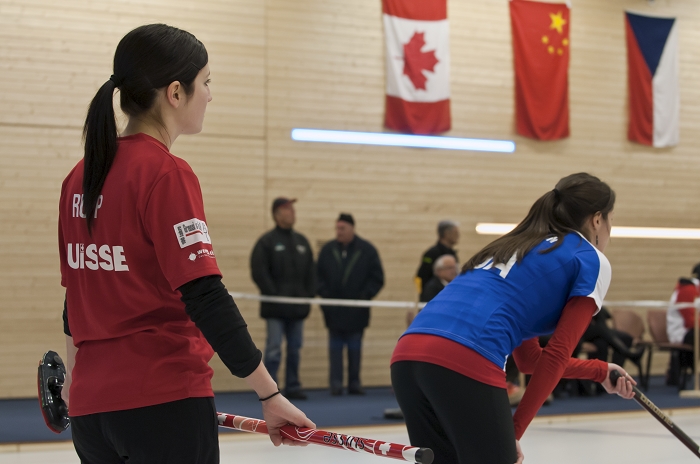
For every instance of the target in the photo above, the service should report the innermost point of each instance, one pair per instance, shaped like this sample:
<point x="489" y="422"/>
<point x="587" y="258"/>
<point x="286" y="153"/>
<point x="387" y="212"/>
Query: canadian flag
<point x="417" y="66"/>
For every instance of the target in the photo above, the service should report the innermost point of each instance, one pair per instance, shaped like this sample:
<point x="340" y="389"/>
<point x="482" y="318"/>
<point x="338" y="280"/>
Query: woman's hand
<point x="278" y="411"/>
<point x="624" y="384"/>
<point x="521" y="456"/>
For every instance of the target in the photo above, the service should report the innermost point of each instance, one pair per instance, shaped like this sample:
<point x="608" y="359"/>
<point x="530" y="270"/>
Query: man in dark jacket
<point x="282" y="264"/>
<point x="348" y="268"/>
<point x="448" y="236"/>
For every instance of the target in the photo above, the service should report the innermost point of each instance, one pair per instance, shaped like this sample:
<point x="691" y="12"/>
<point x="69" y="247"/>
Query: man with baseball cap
<point x="282" y="264"/>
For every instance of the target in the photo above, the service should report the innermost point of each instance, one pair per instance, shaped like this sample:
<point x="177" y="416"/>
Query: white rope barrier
<point x="327" y="301"/>
<point x="649" y="304"/>
<point x="415" y="305"/>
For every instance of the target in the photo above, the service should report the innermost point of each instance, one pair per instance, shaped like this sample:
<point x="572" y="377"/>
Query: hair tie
<point x="117" y="82"/>
<point x="557" y="193"/>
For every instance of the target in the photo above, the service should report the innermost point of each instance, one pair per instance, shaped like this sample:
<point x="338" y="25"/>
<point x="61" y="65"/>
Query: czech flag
<point x="417" y="66"/>
<point x="652" y="72"/>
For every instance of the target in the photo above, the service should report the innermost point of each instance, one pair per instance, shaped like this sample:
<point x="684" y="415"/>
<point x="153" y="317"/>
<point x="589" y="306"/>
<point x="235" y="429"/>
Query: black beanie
<point x="346" y="217"/>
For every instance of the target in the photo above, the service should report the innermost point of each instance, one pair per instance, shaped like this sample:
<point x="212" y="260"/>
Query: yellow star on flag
<point x="545" y="39"/>
<point x="558" y="22"/>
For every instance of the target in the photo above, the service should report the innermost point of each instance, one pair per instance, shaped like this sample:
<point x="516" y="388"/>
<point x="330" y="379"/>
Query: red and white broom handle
<point x="332" y="439"/>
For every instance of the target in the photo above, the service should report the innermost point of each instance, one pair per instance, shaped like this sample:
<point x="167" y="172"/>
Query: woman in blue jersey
<point x="548" y="275"/>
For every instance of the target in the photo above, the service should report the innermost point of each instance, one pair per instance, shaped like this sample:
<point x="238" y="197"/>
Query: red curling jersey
<point x="137" y="346"/>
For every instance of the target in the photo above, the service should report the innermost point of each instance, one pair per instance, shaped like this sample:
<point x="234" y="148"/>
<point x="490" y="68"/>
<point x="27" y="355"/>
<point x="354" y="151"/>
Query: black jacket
<point x="431" y="289"/>
<point x="352" y="273"/>
<point x="282" y="264"/>
<point x="425" y="271"/>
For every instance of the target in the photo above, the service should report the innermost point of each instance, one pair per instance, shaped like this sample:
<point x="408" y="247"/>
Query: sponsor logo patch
<point x="203" y="253"/>
<point x="191" y="232"/>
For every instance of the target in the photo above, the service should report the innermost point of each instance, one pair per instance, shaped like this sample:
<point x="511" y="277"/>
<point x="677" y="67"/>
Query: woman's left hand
<point x="519" y="451"/>
<point x="624" y="384"/>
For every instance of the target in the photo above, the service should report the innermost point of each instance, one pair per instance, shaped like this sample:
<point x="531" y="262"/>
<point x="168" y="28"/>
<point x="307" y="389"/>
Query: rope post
<point x="695" y="392"/>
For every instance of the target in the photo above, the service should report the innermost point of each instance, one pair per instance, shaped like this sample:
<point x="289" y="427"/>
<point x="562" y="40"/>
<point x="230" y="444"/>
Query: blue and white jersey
<point x="492" y="309"/>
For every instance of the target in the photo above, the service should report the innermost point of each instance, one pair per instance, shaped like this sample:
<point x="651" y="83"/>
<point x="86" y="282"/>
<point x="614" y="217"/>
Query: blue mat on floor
<point x="22" y="422"/>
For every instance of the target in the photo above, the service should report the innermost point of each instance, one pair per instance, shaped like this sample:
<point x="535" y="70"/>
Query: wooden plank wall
<point x="320" y="63"/>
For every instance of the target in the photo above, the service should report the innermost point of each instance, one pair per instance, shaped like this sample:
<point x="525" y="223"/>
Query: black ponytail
<point x="556" y="213"/>
<point x="147" y="59"/>
<point x="100" y="136"/>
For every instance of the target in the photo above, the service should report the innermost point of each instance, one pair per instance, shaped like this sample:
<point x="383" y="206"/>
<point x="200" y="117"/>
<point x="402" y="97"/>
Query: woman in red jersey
<point x="144" y="300"/>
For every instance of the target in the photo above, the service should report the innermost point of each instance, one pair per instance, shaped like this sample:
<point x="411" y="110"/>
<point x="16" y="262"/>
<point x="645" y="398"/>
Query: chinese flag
<point x="541" y="54"/>
<point x="417" y="66"/>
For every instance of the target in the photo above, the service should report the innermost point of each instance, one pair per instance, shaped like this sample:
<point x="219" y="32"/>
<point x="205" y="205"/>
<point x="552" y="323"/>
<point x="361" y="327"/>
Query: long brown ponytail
<point x="558" y="212"/>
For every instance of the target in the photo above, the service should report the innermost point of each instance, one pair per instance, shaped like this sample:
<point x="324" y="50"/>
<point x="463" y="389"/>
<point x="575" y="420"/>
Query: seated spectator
<point x="444" y="271"/>
<point x="606" y="338"/>
<point x="448" y="236"/>
<point x="680" y="323"/>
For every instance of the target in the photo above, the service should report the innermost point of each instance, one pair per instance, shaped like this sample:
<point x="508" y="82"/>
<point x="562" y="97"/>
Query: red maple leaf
<point x="415" y="61"/>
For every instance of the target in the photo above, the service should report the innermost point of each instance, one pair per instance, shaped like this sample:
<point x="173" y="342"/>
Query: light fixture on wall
<point x="667" y="233"/>
<point x="402" y="140"/>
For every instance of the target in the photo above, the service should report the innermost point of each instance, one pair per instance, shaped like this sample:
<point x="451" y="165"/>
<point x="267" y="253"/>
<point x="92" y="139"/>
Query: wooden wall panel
<point x="54" y="57"/>
<point x="277" y="65"/>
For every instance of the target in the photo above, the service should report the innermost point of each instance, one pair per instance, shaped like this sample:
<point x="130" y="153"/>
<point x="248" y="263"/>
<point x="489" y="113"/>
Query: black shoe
<point x="336" y="391"/>
<point x="295" y="395"/>
<point x="356" y="391"/>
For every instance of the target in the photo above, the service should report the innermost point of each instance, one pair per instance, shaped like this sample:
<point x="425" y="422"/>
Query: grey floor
<point x="611" y="438"/>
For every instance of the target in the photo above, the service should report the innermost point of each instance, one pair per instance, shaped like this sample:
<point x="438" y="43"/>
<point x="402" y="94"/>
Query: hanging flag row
<point x="418" y="67"/>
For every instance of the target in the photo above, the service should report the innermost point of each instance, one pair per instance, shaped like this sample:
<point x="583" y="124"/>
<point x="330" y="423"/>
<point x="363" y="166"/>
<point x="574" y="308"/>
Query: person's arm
<point x="554" y="360"/>
<point x="425" y="270"/>
<point x="310" y="279"/>
<point x="687" y="294"/>
<point x="528" y="354"/>
<point x="215" y="313"/>
<point x="277" y="411"/>
<point x="260" y="269"/>
<point x="71" y="351"/>
<point x="375" y="279"/>
<point x="322" y="284"/>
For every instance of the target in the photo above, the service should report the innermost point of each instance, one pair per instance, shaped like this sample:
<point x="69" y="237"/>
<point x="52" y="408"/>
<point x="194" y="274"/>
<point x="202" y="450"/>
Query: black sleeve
<point x="215" y="313"/>
<point x="66" y="329"/>
<point x="425" y="270"/>
<point x="260" y="268"/>
<point x="310" y="279"/>
<point x="375" y="280"/>
<point x="322" y="284"/>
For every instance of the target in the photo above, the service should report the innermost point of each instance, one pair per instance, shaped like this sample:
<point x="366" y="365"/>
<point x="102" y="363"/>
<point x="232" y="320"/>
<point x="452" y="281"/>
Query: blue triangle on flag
<point x="651" y="34"/>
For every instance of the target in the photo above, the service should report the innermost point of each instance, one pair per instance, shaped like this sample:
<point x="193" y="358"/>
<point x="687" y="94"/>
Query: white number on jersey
<point x="504" y="268"/>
